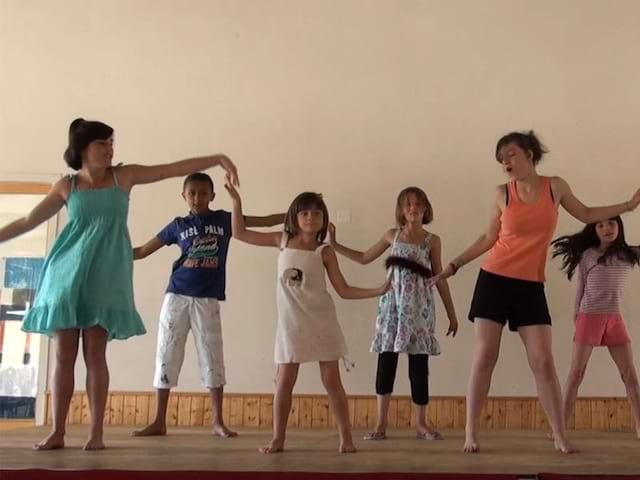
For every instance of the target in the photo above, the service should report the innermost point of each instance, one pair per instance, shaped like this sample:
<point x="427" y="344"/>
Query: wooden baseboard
<point x="313" y="411"/>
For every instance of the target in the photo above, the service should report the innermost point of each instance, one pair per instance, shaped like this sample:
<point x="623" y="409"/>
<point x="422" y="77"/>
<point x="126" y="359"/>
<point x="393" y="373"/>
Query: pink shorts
<point x="601" y="329"/>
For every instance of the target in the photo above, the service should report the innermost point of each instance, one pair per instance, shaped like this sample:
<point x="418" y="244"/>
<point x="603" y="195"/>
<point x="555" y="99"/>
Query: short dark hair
<point x="421" y="196"/>
<point x="528" y="141"/>
<point x="198" y="177"/>
<point x="306" y="201"/>
<point x="81" y="134"/>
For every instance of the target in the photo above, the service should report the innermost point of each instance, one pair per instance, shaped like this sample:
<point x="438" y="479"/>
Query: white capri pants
<point x="179" y="314"/>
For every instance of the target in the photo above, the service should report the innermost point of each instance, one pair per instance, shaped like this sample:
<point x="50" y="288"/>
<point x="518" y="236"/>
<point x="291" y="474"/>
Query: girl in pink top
<point x="510" y="285"/>
<point x="603" y="260"/>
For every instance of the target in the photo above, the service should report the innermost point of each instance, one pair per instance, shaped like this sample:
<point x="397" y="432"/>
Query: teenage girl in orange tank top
<point x="510" y="284"/>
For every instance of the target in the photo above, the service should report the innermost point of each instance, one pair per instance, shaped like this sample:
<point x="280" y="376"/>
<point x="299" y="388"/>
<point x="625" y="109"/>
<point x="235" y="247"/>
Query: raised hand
<point x="231" y="189"/>
<point x="332" y="234"/>
<point x="230" y="168"/>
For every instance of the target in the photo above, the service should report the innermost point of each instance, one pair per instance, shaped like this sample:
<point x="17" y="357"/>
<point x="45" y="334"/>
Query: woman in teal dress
<point x="86" y="286"/>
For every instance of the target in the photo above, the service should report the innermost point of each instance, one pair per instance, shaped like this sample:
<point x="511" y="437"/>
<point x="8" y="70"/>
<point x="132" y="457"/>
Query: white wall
<point x="355" y="99"/>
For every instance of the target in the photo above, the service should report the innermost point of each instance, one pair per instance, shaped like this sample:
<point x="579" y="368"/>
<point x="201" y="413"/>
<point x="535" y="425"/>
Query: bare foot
<point x="221" y="430"/>
<point x="94" y="444"/>
<point x="550" y="436"/>
<point x="54" y="441"/>
<point x="275" y="446"/>
<point x="471" y="444"/>
<point x="347" y="446"/>
<point x="151" y="430"/>
<point x="564" y="447"/>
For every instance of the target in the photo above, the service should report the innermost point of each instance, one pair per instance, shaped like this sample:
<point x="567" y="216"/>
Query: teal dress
<point x="87" y="278"/>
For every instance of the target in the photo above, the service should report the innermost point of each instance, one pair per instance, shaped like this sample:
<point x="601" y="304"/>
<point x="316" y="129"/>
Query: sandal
<point x="430" y="436"/>
<point x="375" y="436"/>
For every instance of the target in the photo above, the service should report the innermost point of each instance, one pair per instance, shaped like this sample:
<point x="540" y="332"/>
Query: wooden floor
<point x="9" y="424"/>
<point x="519" y="452"/>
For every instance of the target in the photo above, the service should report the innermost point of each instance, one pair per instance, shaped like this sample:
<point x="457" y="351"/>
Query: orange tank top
<point x="525" y="233"/>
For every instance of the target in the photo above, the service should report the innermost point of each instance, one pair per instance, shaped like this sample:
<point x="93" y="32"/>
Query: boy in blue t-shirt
<point x="196" y="286"/>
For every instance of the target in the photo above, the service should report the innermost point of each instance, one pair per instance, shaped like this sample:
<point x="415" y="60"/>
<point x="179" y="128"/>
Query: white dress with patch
<point x="308" y="329"/>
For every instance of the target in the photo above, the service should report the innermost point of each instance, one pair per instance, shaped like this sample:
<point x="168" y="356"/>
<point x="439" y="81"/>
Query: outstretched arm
<point x="340" y="284"/>
<point x="147" y="249"/>
<point x="43" y="211"/>
<point x="130" y="175"/>
<point x="240" y="231"/>
<point x="366" y="257"/>
<point x="481" y="245"/>
<point x="266" y="221"/>
<point x="585" y="214"/>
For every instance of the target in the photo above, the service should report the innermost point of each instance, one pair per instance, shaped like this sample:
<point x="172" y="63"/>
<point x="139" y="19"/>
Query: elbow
<point x="489" y="241"/>
<point x="344" y="293"/>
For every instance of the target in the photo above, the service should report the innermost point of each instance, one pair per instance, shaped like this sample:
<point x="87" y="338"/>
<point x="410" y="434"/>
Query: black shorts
<point x="502" y="299"/>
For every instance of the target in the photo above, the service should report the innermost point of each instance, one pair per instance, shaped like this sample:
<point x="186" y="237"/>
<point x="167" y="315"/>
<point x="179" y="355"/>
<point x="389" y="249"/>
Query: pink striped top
<point x="600" y="287"/>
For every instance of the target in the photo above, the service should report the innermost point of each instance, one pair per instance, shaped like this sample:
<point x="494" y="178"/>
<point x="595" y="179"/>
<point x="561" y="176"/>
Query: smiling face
<point x="413" y="209"/>
<point x="98" y="154"/>
<point x="307" y="214"/>
<point x="310" y="220"/>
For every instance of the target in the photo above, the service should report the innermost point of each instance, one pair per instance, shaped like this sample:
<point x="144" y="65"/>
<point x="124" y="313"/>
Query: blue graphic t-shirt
<point x="204" y="242"/>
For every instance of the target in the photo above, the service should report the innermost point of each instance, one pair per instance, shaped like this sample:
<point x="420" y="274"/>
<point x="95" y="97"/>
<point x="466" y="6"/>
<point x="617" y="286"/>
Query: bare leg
<point x="219" y="428"/>
<point x="579" y="359"/>
<point x="423" y="429"/>
<point x="66" y="342"/>
<point x="287" y="376"/>
<point x="537" y="342"/>
<point x="330" y="373"/>
<point x="485" y="355"/>
<point x="159" y="424"/>
<point x="380" y="430"/>
<point x="94" y="348"/>
<point x="623" y="357"/>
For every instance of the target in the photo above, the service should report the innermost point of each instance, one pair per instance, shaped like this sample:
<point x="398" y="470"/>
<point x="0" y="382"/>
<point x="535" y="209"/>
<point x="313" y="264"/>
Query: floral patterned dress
<point x="406" y="313"/>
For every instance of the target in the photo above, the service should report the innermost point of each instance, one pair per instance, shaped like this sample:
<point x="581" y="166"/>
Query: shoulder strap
<point x="115" y="177"/>
<point x="506" y="194"/>
<point x="284" y="240"/>
<point x="427" y="239"/>
<point x="321" y="247"/>
<point x="72" y="179"/>
<point x="553" y="199"/>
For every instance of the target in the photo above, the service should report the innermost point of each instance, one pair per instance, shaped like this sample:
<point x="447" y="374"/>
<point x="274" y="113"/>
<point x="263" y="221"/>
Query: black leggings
<point x="418" y="375"/>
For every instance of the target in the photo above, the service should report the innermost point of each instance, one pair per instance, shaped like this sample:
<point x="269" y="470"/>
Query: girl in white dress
<point x="308" y="330"/>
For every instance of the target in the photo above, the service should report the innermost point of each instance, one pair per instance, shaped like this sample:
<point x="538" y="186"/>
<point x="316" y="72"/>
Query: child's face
<point x="413" y="209"/>
<point x="607" y="231"/>
<point x="99" y="153"/>
<point x="198" y="196"/>
<point x="310" y="220"/>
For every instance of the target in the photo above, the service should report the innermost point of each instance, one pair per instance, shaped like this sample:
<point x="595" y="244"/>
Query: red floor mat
<point x="212" y="475"/>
